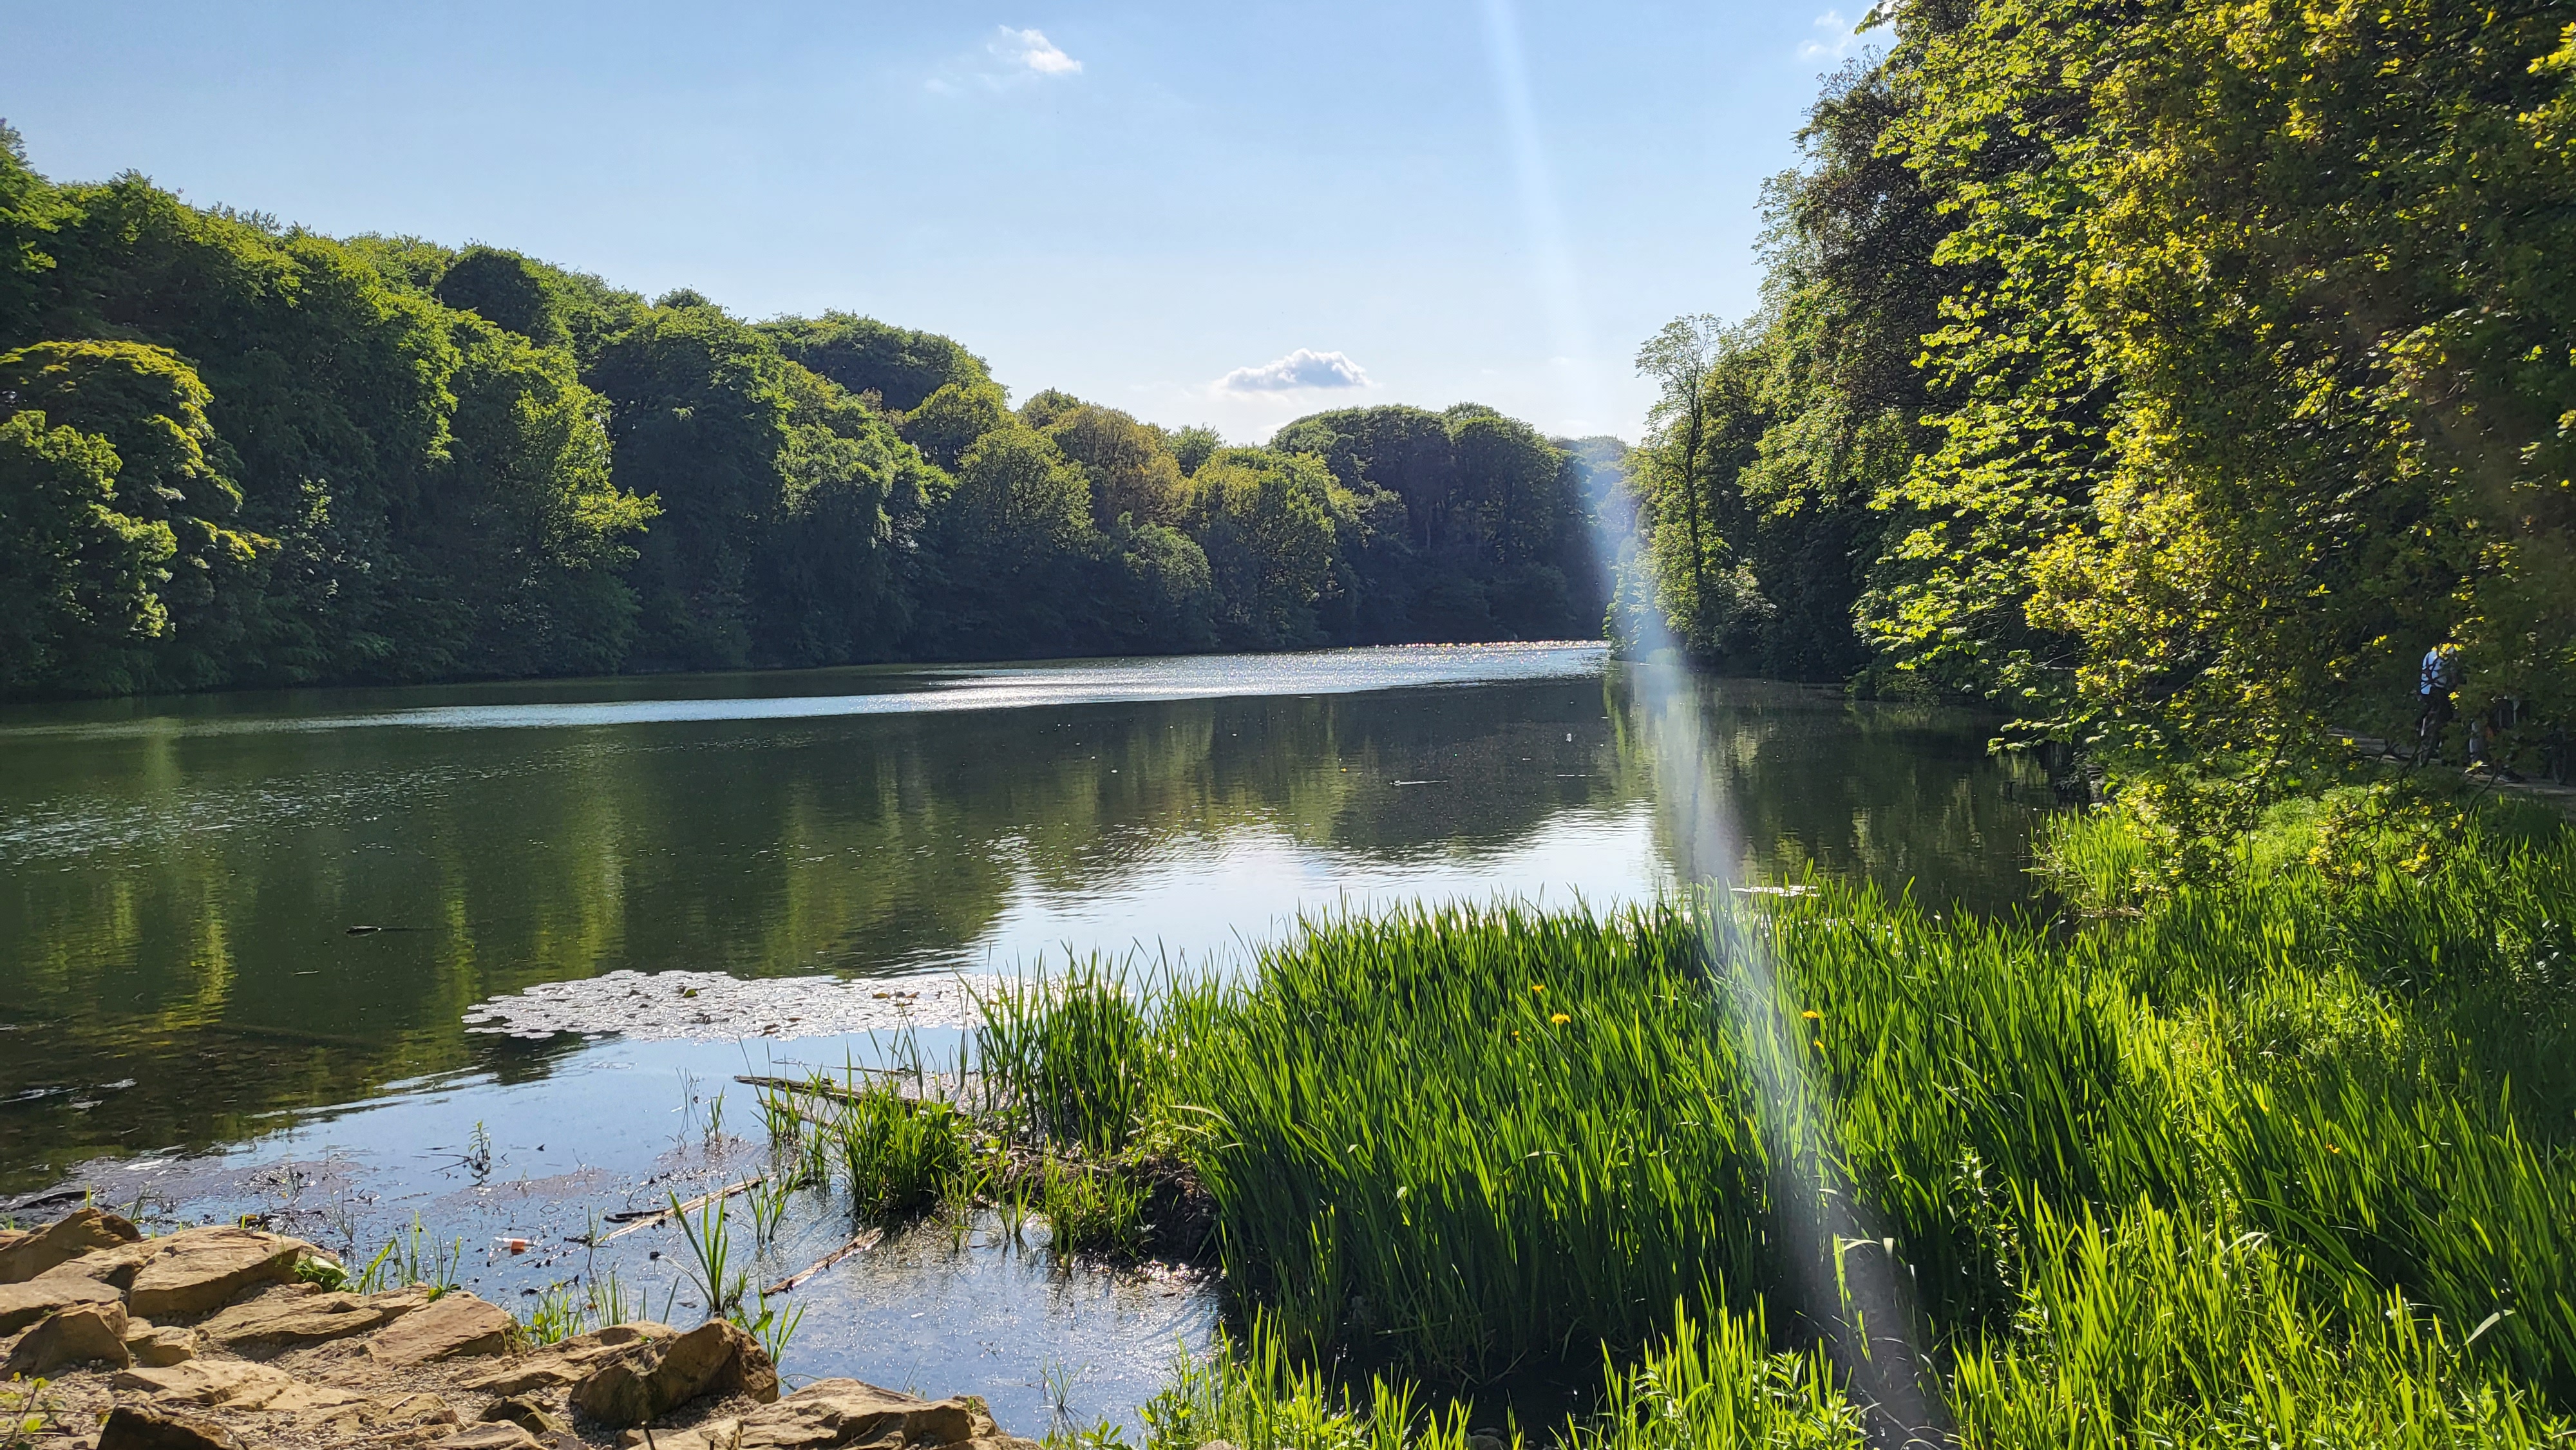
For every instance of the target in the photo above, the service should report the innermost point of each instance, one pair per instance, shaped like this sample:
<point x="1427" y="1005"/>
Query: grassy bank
<point x="2278" y="1157"/>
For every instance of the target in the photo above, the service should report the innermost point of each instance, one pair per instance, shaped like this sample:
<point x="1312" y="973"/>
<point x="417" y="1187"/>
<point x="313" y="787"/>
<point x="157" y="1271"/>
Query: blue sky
<point x="1220" y="213"/>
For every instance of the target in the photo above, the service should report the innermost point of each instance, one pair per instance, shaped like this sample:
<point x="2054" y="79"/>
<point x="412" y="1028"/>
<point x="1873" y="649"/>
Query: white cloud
<point x="1030" y="50"/>
<point x="1835" y="39"/>
<point x="1304" y="368"/>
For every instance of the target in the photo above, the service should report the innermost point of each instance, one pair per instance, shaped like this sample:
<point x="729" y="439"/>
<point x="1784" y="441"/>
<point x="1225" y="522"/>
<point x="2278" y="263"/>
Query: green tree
<point x="950" y="421"/>
<point x="1017" y="550"/>
<point x="698" y="422"/>
<point x="1265" y="521"/>
<point x="1130" y="466"/>
<point x="839" y="579"/>
<point x="1195" y="445"/>
<point x="524" y="526"/>
<point x="2324" y="254"/>
<point x="118" y="463"/>
<point x="506" y="290"/>
<point x="79" y="580"/>
<point x="901" y="367"/>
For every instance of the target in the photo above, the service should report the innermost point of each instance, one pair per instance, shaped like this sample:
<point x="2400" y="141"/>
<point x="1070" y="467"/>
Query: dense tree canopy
<point x="2174" y="373"/>
<point x="235" y="453"/>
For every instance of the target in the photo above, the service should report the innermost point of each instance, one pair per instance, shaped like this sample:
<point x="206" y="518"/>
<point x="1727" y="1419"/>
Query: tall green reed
<point x="897" y="1155"/>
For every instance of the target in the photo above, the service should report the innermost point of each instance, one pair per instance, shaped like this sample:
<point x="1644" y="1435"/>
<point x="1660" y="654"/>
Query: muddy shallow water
<point x="282" y="953"/>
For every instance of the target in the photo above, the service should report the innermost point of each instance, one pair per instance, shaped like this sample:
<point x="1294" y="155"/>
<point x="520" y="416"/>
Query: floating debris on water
<point x="716" y="1007"/>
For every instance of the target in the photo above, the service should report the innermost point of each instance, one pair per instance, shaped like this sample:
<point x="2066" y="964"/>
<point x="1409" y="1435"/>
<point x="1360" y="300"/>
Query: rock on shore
<point x="208" y="1339"/>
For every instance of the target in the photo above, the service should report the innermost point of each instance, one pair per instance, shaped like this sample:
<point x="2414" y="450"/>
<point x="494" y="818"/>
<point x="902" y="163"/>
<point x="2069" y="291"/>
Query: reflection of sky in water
<point x="177" y="877"/>
<point x="809" y="695"/>
<point x="933" y="1309"/>
<point x="1202" y="899"/>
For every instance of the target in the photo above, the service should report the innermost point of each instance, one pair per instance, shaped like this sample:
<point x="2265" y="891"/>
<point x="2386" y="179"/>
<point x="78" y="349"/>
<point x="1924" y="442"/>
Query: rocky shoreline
<point x="229" y="1338"/>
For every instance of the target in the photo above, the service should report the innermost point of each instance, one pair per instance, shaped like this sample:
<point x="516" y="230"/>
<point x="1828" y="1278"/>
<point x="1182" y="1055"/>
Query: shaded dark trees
<point x="238" y="453"/>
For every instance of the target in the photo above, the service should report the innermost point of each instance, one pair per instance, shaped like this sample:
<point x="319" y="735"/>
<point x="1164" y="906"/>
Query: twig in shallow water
<point x="660" y="1215"/>
<point x="866" y="1240"/>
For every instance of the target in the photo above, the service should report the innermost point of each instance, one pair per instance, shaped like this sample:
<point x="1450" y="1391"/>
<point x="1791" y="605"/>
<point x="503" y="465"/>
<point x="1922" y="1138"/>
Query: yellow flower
<point x="1537" y="987"/>
<point x="1560" y="1017"/>
<point x="1813" y="1016"/>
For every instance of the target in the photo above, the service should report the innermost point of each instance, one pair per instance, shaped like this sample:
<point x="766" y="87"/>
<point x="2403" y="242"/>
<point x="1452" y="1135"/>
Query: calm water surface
<point x="184" y="1012"/>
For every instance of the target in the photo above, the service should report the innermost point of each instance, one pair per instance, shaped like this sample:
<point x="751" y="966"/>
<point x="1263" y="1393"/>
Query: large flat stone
<point x="498" y="1435"/>
<point x="235" y="1384"/>
<point x="453" y="1325"/>
<point x="285" y="1318"/>
<point x="159" y="1345"/>
<point x="115" y="1265"/>
<point x="325" y="1416"/>
<point x="82" y="1334"/>
<point x="24" y="1304"/>
<point x="201" y="1269"/>
<point x="557" y="1366"/>
<point x="839" y="1412"/>
<point x="528" y="1413"/>
<point x="209" y="1382"/>
<point x="64" y="1239"/>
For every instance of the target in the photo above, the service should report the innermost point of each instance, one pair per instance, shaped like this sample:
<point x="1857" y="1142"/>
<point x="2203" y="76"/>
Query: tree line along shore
<point x="237" y="453"/>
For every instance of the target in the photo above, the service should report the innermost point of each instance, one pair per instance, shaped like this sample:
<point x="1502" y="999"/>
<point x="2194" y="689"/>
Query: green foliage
<point x="2277" y="1155"/>
<point x="1194" y="446"/>
<point x="699" y="418"/>
<point x="1455" y="525"/>
<point x="721" y="1288"/>
<point x="1253" y="1392"/>
<point x="1266" y="523"/>
<point x="405" y="1261"/>
<point x="79" y="581"/>
<point x="897" y="1155"/>
<point x="2147" y="1329"/>
<point x="1718" y="1383"/>
<point x="358" y="483"/>
<point x="1092" y="1211"/>
<point x="28" y="1415"/>
<point x="237" y="453"/>
<point x="506" y="290"/>
<point x="1131" y="468"/>
<point x="113" y="511"/>
<point x="951" y="420"/>
<point x="1072" y="1052"/>
<point x="901" y="367"/>
<point x="563" y="1310"/>
<point x="2172" y="374"/>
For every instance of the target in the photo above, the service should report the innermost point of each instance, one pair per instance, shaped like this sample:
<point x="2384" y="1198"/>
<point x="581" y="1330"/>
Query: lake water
<point x="186" y="1014"/>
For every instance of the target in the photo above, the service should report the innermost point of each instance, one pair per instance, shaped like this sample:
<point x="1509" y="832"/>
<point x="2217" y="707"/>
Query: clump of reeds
<point x="2261" y="1153"/>
<point x="408" y="1259"/>
<point x="565" y="1309"/>
<point x="1099" y="1212"/>
<point x="896" y="1155"/>
<point x="1254" y="1392"/>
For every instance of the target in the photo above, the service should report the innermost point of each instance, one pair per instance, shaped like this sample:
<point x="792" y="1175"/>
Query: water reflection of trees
<point x="1904" y="796"/>
<point x="195" y="941"/>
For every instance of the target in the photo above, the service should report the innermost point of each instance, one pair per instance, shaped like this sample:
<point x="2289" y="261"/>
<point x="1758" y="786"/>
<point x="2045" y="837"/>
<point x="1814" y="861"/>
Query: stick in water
<point x="866" y="1240"/>
<point x="694" y="1204"/>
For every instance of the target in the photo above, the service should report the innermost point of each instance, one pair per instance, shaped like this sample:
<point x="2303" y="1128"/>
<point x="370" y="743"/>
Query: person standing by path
<point x="2437" y="685"/>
